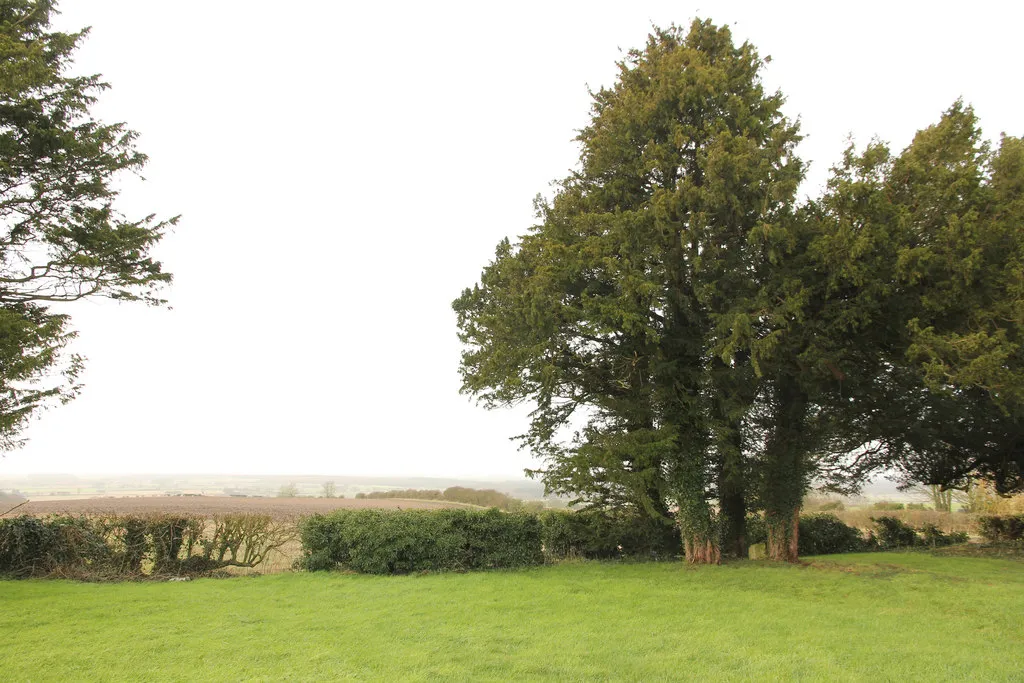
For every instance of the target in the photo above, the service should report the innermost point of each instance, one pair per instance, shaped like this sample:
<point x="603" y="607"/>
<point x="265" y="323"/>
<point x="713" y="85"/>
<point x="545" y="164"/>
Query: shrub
<point x="823" y="534"/>
<point x="893" y="533"/>
<point x="603" y="535"/>
<point x="917" y="506"/>
<point x="403" y="541"/>
<point x="757" y="532"/>
<point x="1001" y="528"/>
<point x="932" y="535"/>
<point x="832" y="505"/>
<point x="887" y="506"/>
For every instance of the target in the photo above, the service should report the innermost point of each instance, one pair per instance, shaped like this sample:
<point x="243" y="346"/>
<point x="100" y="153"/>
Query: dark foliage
<point x="893" y="533"/>
<point x="934" y="537"/>
<point x="1002" y="528"/>
<point x="601" y="535"/>
<point x="827" y="534"/>
<point x="756" y="530"/>
<point x="42" y="547"/>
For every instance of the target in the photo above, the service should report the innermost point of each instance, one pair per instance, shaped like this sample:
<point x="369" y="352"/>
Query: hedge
<point x="404" y="541"/>
<point x="601" y="535"/>
<point x="1002" y="528"/>
<point x="826" y="535"/>
<point x="134" y="546"/>
<point x="818" y="534"/>
<point x="60" y="544"/>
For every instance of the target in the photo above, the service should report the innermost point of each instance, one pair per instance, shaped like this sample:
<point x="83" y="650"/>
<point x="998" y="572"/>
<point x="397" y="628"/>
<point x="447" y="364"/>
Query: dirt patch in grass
<point x="1003" y="551"/>
<point x="874" y="570"/>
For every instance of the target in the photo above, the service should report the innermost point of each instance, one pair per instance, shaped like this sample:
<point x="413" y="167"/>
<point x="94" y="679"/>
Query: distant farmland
<point x="278" y="508"/>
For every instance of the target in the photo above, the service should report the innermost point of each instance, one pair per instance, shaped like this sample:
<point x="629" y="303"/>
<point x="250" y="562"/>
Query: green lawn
<point x="847" y="617"/>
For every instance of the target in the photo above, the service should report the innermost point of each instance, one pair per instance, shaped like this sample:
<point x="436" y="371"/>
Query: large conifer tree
<point x="624" y="300"/>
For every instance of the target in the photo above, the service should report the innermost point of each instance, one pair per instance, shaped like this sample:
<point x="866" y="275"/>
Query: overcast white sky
<point x="344" y="169"/>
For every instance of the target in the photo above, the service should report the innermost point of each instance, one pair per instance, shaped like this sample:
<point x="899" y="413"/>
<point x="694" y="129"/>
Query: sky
<point x="343" y="170"/>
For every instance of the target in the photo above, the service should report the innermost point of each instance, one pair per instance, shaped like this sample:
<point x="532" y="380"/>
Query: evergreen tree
<point x="61" y="237"/>
<point x="625" y="296"/>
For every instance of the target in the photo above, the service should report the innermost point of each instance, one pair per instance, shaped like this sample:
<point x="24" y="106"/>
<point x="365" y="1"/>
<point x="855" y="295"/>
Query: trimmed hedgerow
<point x="601" y="535"/>
<point x="1001" y="528"/>
<point x="404" y="541"/>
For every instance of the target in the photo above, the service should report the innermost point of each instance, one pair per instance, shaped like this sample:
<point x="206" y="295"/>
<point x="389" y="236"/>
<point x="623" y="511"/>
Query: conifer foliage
<point x="698" y="345"/>
<point x="61" y="236"/>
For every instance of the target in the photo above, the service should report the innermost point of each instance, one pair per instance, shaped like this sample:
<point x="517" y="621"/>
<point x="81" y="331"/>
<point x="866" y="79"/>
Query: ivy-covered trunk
<point x="698" y="523"/>
<point x="785" y="471"/>
<point x="702" y="550"/>
<point x="783" y="534"/>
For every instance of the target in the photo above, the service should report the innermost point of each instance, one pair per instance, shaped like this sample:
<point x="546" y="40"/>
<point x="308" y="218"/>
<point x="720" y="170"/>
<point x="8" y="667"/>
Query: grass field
<point x="852" y="617"/>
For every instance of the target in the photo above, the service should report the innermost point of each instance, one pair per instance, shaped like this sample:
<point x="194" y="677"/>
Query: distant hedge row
<point x="461" y="494"/>
<point x="404" y="541"/>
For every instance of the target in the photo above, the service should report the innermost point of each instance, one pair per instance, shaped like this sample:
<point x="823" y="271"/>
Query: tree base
<point x="783" y="536"/>
<point x="701" y="551"/>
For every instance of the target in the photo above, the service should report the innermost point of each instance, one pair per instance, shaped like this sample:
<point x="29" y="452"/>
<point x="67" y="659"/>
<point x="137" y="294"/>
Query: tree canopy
<point x="697" y="344"/>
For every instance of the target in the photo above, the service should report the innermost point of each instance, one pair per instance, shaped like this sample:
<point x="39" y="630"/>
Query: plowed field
<point x="279" y="508"/>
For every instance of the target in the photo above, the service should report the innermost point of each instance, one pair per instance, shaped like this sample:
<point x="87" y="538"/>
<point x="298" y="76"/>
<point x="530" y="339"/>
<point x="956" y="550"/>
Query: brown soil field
<point x="278" y="508"/>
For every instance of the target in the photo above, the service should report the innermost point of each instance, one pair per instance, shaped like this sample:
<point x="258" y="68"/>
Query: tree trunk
<point x="785" y="476"/>
<point x="701" y="549"/>
<point x="734" y="517"/>
<point x="698" y="523"/>
<point x="941" y="500"/>
<point x="731" y="404"/>
<point x="783" y="536"/>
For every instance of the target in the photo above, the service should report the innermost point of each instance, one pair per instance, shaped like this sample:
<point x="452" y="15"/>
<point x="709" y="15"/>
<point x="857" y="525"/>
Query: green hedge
<point x="892" y="533"/>
<point x="1002" y="528"/>
<point x="404" y="541"/>
<point x="827" y="534"/>
<point x="600" y="535"/>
